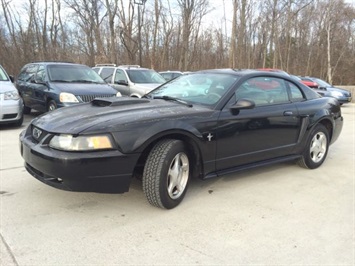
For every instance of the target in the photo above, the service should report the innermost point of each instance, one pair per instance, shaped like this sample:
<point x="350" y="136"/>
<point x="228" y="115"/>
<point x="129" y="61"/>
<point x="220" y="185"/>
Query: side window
<point x="120" y="76"/>
<point x="107" y="73"/>
<point x="27" y="72"/>
<point x="263" y="91"/>
<point x="166" y="76"/>
<point x="41" y="74"/>
<point x="296" y="94"/>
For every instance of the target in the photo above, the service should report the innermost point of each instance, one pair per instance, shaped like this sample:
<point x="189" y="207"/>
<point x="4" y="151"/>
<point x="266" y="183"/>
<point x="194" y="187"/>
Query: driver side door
<point x="267" y="131"/>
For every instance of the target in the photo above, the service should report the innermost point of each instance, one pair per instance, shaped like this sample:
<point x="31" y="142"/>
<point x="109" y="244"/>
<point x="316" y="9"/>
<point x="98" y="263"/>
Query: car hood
<point x="114" y="114"/>
<point x="6" y="86"/>
<point x="337" y="89"/>
<point x="83" y="88"/>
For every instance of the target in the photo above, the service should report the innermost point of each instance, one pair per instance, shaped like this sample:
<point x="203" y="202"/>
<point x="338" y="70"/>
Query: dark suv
<point x="45" y="86"/>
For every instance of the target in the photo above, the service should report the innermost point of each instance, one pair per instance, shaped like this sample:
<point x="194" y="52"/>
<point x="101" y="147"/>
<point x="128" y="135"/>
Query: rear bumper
<point x="104" y="171"/>
<point x="337" y="128"/>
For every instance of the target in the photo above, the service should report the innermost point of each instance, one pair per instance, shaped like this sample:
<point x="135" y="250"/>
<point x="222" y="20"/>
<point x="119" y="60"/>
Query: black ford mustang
<point x="205" y="124"/>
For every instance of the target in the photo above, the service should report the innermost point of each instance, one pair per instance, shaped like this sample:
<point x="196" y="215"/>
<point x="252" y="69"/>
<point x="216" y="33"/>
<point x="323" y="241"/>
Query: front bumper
<point x="103" y="171"/>
<point x="344" y="99"/>
<point x="10" y="110"/>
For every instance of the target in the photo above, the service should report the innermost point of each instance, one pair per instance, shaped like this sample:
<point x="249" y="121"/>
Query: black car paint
<point x="260" y="136"/>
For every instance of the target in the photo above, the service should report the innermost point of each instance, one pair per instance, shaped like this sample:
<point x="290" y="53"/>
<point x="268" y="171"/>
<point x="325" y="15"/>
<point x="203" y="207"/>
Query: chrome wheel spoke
<point x="318" y="147"/>
<point x="178" y="175"/>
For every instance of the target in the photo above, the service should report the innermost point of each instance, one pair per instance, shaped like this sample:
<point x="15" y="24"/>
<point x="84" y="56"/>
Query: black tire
<point x="51" y="106"/>
<point x="316" y="149"/>
<point x="26" y="110"/>
<point x="160" y="186"/>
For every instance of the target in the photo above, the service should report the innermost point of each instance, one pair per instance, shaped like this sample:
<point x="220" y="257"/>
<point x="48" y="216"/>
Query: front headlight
<point x="81" y="143"/>
<point x="336" y="94"/>
<point x="118" y="94"/>
<point x="65" y="97"/>
<point x="11" y="95"/>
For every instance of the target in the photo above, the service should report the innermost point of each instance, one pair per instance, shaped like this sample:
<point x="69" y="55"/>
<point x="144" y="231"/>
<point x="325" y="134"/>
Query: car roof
<point x="240" y="72"/>
<point x="55" y="63"/>
<point x="130" y="67"/>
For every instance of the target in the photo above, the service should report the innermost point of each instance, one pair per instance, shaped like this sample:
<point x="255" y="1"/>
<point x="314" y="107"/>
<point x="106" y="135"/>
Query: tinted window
<point x="296" y="93"/>
<point x="73" y="73"/>
<point x="27" y="72"/>
<point x="41" y="74"/>
<point x="202" y="88"/>
<point x="263" y="91"/>
<point x="107" y="73"/>
<point x="167" y="76"/>
<point x="3" y="76"/>
<point x="120" y="76"/>
<point x="145" y="76"/>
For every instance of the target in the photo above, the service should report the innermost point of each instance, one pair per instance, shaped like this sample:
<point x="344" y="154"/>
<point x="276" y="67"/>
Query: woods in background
<point x="302" y="37"/>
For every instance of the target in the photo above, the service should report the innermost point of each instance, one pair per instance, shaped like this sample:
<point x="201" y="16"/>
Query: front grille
<point x="37" y="134"/>
<point x="9" y="116"/>
<point x="89" y="98"/>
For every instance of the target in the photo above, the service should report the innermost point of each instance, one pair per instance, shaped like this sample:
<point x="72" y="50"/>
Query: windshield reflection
<point x="201" y="88"/>
<point x="73" y="73"/>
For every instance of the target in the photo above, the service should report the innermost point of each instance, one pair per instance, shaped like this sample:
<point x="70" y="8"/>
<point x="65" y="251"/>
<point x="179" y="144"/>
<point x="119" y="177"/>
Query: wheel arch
<point x="191" y="145"/>
<point x="327" y="123"/>
<point x="329" y="126"/>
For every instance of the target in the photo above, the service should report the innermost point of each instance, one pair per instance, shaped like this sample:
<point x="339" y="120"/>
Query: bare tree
<point x="192" y="12"/>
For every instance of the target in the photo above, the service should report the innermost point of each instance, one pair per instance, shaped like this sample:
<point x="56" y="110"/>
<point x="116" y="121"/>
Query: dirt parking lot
<point x="276" y="215"/>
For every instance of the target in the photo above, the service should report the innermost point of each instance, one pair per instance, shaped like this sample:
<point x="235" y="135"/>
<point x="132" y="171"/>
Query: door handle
<point x="288" y="113"/>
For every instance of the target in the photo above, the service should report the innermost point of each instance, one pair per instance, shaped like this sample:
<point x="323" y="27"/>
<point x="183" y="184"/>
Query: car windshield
<point x="3" y="76"/>
<point x="322" y="83"/>
<point x="144" y="76"/>
<point x="200" y="88"/>
<point x="73" y="73"/>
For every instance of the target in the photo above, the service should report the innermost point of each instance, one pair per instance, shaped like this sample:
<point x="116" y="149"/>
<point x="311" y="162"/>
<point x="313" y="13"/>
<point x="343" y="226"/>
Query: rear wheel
<point x="316" y="149"/>
<point x="51" y="106"/>
<point x="166" y="174"/>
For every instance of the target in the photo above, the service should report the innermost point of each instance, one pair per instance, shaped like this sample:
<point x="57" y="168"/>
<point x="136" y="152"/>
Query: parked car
<point x="130" y="80"/>
<point x="169" y="75"/>
<point x="327" y="90"/>
<point x="235" y="124"/>
<point x="11" y="105"/>
<point x="309" y="82"/>
<point x="46" y="86"/>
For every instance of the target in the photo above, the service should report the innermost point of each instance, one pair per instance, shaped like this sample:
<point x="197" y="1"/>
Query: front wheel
<point x="51" y="106"/>
<point x="316" y="149"/>
<point x="166" y="174"/>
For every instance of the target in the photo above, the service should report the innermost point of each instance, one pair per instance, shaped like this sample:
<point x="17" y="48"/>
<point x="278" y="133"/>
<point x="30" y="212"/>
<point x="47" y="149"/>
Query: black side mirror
<point x="12" y="78"/>
<point x="242" y="104"/>
<point x="122" y="82"/>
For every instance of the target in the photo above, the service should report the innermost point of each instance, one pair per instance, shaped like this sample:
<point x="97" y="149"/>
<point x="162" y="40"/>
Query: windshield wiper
<point x="60" y="80"/>
<point x="84" y="81"/>
<point x="169" y="98"/>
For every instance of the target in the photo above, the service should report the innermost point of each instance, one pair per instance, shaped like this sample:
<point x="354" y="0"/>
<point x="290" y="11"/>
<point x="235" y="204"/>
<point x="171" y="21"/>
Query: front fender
<point x="137" y="140"/>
